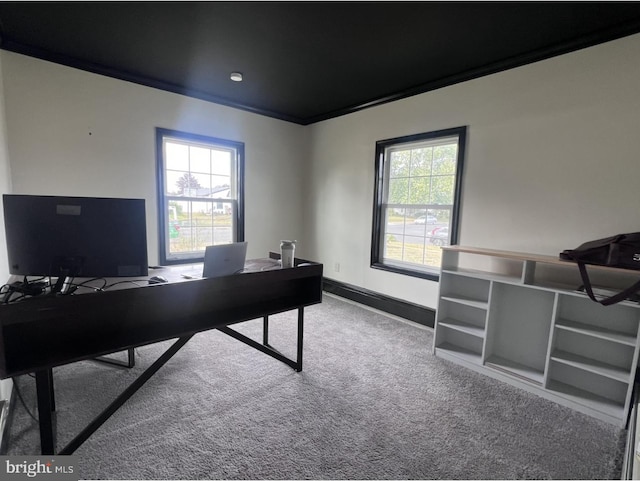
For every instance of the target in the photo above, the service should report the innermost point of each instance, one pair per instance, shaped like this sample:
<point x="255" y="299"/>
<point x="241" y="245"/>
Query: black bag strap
<point x="620" y="296"/>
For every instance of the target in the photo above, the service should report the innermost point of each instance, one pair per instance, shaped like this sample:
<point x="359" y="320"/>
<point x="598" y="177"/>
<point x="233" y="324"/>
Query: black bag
<point x="622" y="250"/>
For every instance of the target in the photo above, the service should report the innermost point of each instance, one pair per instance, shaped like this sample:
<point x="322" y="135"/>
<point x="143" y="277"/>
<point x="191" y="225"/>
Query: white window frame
<point x="384" y="232"/>
<point x="234" y="203"/>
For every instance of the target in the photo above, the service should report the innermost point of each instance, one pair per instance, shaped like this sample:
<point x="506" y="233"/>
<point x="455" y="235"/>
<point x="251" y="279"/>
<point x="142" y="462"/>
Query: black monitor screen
<point x="75" y="236"/>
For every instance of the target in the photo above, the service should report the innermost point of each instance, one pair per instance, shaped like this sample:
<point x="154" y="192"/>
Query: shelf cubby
<point x="465" y="289"/>
<point x="520" y="371"/>
<point x="598" y="350"/>
<point x="467" y="301"/>
<point x="489" y="276"/>
<point x="597" y="387"/>
<point x="459" y="352"/>
<point x="618" y="323"/>
<point x="597" y="332"/>
<point x="518" y="326"/>
<point x="464" y="316"/>
<point x="591" y="365"/>
<point x="460" y="344"/>
<point x="599" y="404"/>
<point x="463" y="327"/>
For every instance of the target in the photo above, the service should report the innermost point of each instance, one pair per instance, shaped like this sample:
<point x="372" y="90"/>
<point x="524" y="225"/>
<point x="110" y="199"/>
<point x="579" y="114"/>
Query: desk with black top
<point x="42" y="332"/>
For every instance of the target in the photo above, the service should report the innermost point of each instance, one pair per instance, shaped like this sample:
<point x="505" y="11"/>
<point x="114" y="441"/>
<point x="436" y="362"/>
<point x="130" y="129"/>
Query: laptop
<point x="224" y="259"/>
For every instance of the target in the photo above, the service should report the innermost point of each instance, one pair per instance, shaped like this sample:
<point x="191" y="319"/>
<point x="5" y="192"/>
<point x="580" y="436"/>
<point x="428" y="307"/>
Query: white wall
<point x="5" y="188"/>
<point x="553" y="160"/>
<point x="5" y="180"/>
<point x="75" y="133"/>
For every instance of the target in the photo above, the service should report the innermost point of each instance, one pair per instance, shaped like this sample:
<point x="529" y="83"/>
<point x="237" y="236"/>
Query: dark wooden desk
<point x="43" y="332"/>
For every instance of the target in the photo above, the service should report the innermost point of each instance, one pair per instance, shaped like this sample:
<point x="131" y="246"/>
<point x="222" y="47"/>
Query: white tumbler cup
<point x="287" y="249"/>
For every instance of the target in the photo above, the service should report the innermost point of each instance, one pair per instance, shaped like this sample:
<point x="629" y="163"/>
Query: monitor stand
<point x="59" y="286"/>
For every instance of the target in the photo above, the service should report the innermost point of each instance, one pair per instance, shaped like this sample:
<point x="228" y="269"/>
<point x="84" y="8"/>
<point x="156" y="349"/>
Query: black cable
<point x="104" y="286"/>
<point x="26" y="287"/>
<point x="15" y="386"/>
<point x="83" y="284"/>
<point x="17" y="298"/>
<point x="7" y="297"/>
<point x="134" y="281"/>
<point x="32" y="288"/>
<point x="6" y="294"/>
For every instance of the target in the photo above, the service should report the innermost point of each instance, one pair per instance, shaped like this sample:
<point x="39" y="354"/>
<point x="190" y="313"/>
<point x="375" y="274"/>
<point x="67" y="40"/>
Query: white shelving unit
<point x="521" y="318"/>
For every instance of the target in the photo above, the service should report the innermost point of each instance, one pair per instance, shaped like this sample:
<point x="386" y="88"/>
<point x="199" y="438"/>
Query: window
<point x="200" y="194"/>
<point x="417" y="198"/>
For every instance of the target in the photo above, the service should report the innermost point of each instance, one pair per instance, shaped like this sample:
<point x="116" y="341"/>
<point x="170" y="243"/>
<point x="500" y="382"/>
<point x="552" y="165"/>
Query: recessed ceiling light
<point x="236" y="76"/>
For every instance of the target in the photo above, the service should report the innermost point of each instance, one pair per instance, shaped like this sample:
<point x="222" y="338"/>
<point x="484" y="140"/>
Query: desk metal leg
<point x="52" y="392"/>
<point x="129" y="363"/>
<point x="126" y="394"/>
<point x="44" y="392"/>
<point x="265" y="330"/>
<point x="300" y="337"/>
<point x="270" y="351"/>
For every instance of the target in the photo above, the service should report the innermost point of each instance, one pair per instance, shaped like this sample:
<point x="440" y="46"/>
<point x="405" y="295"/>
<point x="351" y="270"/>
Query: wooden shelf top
<point x="524" y="256"/>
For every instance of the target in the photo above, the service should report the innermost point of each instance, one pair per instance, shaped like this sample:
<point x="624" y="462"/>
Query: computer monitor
<point x="75" y="236"/>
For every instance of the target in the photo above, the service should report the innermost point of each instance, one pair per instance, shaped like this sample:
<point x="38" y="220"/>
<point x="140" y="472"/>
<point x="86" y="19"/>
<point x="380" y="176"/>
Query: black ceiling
<point x="306" y="61"/>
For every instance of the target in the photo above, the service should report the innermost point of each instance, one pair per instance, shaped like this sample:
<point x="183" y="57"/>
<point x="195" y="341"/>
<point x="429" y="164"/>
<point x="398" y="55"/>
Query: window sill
<point x="407" y="272"/>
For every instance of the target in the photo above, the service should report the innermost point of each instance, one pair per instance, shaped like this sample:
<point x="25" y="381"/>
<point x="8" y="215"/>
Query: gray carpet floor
<point x="371" y="403"/>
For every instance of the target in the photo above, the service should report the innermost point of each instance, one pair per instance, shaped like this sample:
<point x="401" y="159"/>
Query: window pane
<point x="419" y="190"/>
<point x="177" y="156"/>
<point x="188" y="184"/>
<point x="399" y="163"/>
<point x="200" y="160"/>
<point x="444" y="159"/>
<point x="197" y="224"/>
<point x="221" y="162"/>
<point x="393" y="230"/>
<point x="414" y="249"/>
<point x="443" y="216"/>
<point x="223" y="222"/>
<point x="201" y="185"/>
<point x="394" y="220"/>
<point x="219" y="181"/>
<point x="174" y="184"/>
<point x="398" y="191"/>
<point x="421" y="161"/>
<point x="442" y="189"/>
<point x="179" y="228"/>
<point x="439" y="236"/>
<point x="393" y="247"/>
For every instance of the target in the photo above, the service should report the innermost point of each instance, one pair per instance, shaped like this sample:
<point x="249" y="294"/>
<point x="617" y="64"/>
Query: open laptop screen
<point x="224" y="259"/>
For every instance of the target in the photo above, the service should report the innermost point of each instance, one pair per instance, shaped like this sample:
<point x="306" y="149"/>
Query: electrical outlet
<point x="336" y="267"/>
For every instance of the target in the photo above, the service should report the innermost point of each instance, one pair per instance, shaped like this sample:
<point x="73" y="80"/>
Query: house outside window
<point x="200" y="194"/>
<point x="417" y="201"/>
